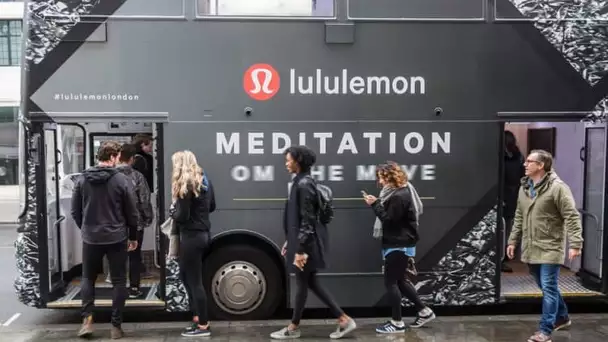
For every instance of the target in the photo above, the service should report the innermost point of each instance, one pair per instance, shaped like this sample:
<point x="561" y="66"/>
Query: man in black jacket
<point x="143" y="160"/>
<point x="104" y="208"/>
<point x="146" y="215"/>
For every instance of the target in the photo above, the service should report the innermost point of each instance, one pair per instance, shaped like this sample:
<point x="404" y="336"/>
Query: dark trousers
<point x="397" y="284"/>
<point x="508" y="227"/>
<point x="136" y="262"/>
<point x="92" y="257"/>
<point x="307" y="279"/>
<point x="192" y="248"/>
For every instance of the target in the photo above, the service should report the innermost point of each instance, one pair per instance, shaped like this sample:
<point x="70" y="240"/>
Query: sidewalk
<point x="9" y="203"/>
<point x="588" y="328"/>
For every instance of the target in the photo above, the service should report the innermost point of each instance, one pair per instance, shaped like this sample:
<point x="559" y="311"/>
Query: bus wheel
<point x="242" y="282"/>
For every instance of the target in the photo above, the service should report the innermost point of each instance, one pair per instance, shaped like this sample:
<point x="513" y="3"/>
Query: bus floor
<point x="103" y="293"/>
<point x="520" y="284"/>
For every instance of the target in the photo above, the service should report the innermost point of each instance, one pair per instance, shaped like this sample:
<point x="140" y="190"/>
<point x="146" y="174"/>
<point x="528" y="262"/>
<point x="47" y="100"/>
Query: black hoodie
<point x="104" y="206"/>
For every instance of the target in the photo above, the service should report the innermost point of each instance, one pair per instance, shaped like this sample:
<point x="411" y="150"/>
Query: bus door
<point x="595" y="205"/>
<point x="63" y="153"/>
<point x="51" y="168"/>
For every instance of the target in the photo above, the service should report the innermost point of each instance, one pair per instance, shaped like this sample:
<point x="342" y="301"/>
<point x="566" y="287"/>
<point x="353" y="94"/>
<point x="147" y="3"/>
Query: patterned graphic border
<point x="581" y="35"/>
<point x="27" y="283"/>
<point x="466" y="274"/>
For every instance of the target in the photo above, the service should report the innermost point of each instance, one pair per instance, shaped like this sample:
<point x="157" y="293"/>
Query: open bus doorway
<point x="69" y="149"/>
<point x="579" y="152"/>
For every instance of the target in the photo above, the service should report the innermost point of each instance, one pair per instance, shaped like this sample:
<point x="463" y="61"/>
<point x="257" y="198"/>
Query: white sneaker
<point x="342" y="331"/>
<point x="285" y="334"/>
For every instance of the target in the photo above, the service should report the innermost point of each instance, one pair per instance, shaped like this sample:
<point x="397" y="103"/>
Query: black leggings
<point x="395" y="265"/>
<point x="191" y="250"/>
<point x="305" y="280"/>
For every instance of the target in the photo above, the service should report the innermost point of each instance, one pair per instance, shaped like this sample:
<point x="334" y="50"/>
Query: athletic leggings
<point x="305" y="280"/>
<point x="395" y="265"/>
<point x="191" y="250"/>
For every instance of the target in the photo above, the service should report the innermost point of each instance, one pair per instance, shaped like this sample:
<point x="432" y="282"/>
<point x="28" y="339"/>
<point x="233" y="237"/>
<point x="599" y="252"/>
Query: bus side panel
<point x="452" y="166"/>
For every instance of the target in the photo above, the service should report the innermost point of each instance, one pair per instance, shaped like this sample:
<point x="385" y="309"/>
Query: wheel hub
<point x="238" y="287"/>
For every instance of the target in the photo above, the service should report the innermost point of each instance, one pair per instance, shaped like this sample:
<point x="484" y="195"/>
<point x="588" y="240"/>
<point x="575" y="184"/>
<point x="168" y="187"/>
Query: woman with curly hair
<point x="193" y="201"/>
<point x="396" y="215"/>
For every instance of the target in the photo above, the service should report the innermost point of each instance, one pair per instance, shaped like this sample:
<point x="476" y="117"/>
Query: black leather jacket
<point x="304" y="232"/>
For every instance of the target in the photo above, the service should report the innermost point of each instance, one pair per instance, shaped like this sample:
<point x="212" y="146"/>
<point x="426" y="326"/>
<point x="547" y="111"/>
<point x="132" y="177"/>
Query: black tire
<point x="268" y="268"/>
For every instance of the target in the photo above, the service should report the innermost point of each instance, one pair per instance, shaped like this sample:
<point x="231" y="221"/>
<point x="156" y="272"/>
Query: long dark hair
<point x="511" y="143"/>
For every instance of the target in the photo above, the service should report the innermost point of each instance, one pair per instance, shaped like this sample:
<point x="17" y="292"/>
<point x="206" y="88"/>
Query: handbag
<point x="170" y="230"/>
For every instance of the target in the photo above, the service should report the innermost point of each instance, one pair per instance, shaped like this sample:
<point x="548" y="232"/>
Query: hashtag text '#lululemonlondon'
<point x="95" y="97"/>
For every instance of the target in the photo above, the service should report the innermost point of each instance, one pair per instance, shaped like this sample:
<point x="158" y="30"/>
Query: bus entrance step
<point x="522" y="286"/>
<point x="103" y="296"/>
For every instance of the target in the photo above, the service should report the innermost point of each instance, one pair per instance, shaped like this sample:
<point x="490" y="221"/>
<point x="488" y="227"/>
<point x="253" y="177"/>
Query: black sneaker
<point x="422" y="320"/>
<point x="195" y="331"/>
<point x="562" y="323"/>
<point x="135" y="293"/>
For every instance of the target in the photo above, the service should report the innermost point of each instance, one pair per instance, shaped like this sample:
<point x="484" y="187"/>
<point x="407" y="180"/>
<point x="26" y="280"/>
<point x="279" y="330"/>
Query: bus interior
<point x="75" y="146"/>
<point x="579" y="150"/>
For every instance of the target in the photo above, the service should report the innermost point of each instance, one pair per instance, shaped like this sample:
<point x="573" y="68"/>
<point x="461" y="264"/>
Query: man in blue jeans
<point x="545" y="213"/>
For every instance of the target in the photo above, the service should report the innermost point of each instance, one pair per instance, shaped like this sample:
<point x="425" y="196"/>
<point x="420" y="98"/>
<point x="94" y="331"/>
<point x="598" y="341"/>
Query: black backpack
<point x="326" y="207"/>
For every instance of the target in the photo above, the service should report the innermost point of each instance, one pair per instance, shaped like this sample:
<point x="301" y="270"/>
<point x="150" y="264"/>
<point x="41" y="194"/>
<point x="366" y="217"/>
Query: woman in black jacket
<point x="514" y="172"/>
<point x="396" y="213"/>
<point x="194" y="200"/>
<point x="305" y="247"/>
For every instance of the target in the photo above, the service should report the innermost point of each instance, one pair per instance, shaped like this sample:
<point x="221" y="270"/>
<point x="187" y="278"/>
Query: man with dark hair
<point x="105" y="209"/>
<point x="545" y="214"/>
<point x="144" y="207"/>
<point x="143" y="160"/>
<point x="306" y="241"/>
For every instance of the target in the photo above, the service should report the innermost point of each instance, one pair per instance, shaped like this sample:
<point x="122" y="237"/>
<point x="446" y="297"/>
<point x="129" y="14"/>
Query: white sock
<point x="425" y="312"/>
<point x="399" y="324"/>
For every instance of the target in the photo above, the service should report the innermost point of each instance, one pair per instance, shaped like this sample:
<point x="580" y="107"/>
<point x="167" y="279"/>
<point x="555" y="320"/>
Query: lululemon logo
<point x="261" y="82"/>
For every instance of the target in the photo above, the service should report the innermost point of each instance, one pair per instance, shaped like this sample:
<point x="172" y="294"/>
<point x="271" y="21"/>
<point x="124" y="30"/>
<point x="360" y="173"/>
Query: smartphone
<point x="363" y="193"/>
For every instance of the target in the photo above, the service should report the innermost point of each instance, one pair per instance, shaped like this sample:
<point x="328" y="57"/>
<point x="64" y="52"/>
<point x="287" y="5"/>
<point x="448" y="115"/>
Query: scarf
<point x="385" y="194"/>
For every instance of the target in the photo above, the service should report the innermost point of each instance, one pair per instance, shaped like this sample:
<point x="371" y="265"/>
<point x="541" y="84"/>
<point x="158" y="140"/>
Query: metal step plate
<point x="518" y="286"/>
<point x="73" y="290"/>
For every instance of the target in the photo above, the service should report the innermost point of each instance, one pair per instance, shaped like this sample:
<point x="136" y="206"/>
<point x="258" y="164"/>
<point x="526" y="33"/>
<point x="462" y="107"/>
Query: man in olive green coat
<point x="545" y="213"/>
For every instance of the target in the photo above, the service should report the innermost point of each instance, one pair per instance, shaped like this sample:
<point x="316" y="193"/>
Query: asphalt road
<point x="12" y="312"/>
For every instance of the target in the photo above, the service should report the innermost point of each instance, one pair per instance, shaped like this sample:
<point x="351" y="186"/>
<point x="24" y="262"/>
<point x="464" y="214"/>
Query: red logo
<point x="261" y="82"/>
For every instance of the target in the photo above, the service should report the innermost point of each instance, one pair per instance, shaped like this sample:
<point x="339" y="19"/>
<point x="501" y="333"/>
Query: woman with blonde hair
<point x="397" y="218"/>
<point x="193" y="201"/>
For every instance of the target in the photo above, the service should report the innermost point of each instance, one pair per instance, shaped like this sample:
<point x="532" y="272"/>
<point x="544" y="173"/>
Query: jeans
<point x="92" y="256"/>
<point x="554" y="307"/>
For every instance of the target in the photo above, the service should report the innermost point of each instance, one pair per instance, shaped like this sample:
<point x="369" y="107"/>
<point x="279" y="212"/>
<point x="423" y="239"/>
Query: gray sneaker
<point x="342" y="331"/>
<point x="285" y="334"/>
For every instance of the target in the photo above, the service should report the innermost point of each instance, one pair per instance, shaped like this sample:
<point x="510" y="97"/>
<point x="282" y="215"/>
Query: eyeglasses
<point x="530" y="161"/>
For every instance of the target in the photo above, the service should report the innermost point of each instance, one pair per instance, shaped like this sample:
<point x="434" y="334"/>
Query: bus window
<point x="73" y="149"/>
<point x="265" y="8"/>
<point x="96" y="141"/>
